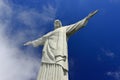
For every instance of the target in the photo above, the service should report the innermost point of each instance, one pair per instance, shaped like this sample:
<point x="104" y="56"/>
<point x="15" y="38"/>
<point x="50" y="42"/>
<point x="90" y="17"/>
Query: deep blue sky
<point x="94" y="52"/>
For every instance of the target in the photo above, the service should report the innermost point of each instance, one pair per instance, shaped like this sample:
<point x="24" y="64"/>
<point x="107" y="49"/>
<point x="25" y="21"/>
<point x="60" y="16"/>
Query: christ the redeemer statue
<point x="54" y="62"/>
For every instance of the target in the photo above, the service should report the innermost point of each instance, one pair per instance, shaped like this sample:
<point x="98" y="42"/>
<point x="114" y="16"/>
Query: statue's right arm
<point x="35" y="43"/>
<point x="28" y="43"/>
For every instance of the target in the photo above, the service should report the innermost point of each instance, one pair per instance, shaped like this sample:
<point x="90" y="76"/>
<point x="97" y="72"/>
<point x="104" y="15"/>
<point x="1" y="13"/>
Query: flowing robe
<point x="55" y="49"/>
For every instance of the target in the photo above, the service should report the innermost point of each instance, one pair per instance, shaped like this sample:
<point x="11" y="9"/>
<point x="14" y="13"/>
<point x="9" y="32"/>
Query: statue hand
<point x="28" y="43"/>
<point x="91" y="14"/>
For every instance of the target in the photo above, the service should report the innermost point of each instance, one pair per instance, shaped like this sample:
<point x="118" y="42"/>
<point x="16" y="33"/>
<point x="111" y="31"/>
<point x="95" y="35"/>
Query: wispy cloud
<point x="32" y="17"/>
<point x="115" y="75"/>
<point x="106" y="53"/>
<point x="114" y="1"/>
<point x="33" y="20"/>
<point x="16" y="64"/>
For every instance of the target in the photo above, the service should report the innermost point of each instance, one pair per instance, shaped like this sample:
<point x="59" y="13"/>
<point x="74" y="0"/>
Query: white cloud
<point x="14" y="64"/>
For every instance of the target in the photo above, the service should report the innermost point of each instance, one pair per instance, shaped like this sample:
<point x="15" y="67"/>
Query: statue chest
<point x="56" y="38"/>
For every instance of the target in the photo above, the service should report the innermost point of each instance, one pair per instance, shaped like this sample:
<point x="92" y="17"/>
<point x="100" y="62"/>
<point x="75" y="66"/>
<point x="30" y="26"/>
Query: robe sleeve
<point x="39" y="41"/>
<point x="70" y="29"/>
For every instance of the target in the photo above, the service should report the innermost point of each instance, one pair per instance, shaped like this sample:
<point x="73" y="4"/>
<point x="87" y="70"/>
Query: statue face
<point x="57" y="24"/>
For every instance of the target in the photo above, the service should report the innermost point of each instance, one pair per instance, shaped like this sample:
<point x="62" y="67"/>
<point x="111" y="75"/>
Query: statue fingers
<point x="95" y="12"/>
<point x="92" y="14"/>
<point x="25" y="44"/>
<point x="28" y="43"/>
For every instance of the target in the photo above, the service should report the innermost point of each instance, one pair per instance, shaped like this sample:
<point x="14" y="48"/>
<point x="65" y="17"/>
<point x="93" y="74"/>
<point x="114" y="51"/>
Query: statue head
<point x="57" y="24"/>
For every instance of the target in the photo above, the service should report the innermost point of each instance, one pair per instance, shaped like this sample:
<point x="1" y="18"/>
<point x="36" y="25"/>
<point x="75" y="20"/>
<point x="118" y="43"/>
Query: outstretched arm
<point x="37" y="42"/>
<point x="70" y="29"/>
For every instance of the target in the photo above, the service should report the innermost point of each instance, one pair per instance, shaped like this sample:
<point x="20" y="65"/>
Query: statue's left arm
<point x="80" y="24"/>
